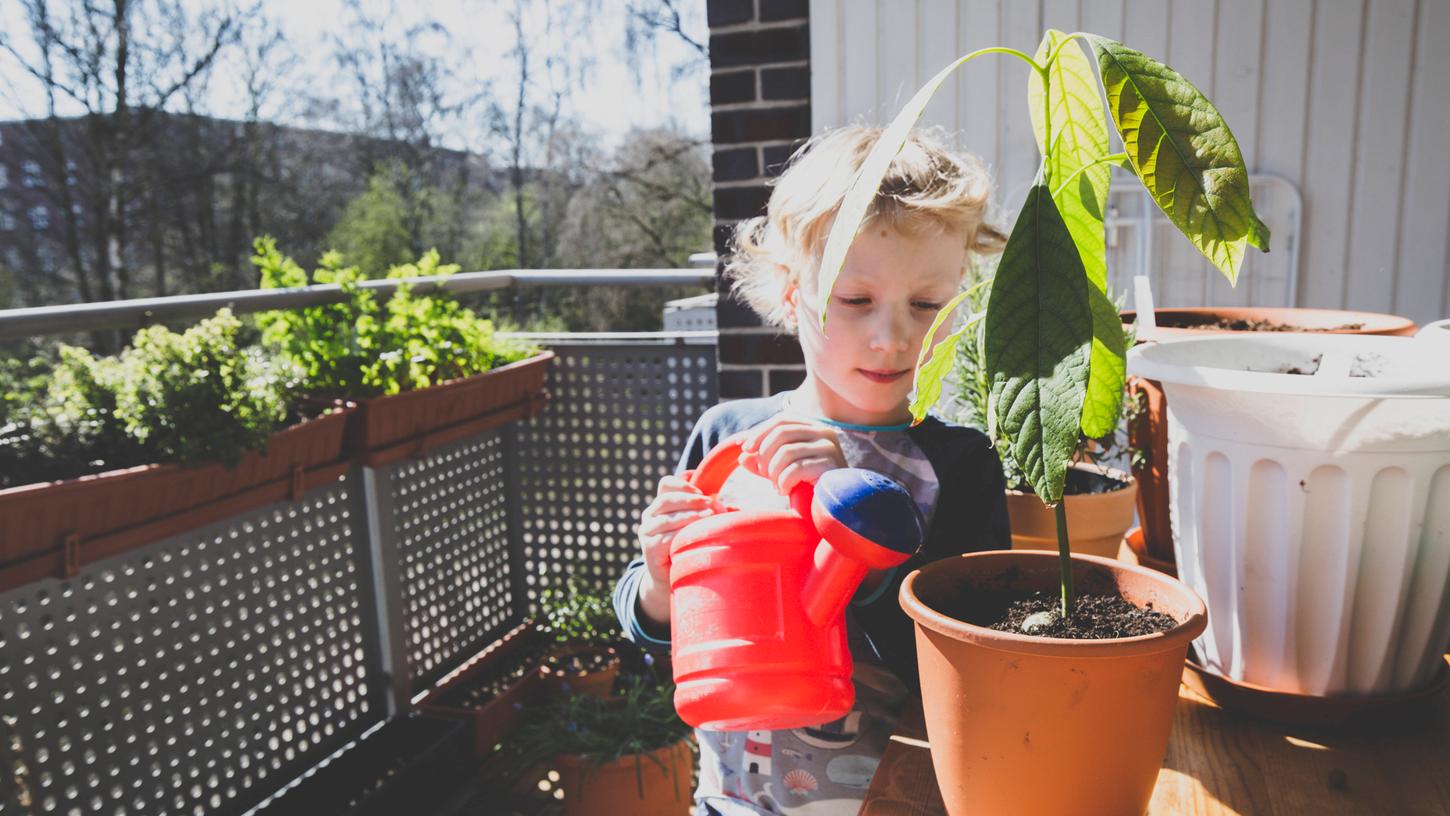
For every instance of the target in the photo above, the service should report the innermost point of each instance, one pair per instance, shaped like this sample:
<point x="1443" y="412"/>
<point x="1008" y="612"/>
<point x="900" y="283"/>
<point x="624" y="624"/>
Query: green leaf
<point x="1077" y="120"/>
<point x="935" y="362"/>
<point x="1038" y="340"/>
<point x="1181" y="148"/>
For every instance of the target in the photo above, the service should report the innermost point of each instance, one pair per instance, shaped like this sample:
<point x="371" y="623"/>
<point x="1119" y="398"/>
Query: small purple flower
<point x="518" y="706"/>
<point x="649" y="659"/>
<point x="572" y="727"/>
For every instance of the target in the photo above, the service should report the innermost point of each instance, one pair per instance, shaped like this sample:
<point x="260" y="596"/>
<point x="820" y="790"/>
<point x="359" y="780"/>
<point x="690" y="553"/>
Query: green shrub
<point x="198" y="395"/>
<point x="188" y="397"/>
<point x="361" y="348"/>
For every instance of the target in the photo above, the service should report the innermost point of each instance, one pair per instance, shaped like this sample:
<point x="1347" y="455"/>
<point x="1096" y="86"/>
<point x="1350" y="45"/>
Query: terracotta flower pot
<point x="1150" y="432"/>
<point x="1031" y="725"/>
<point x="598" y="683"/>
<point x="1096" y="522"/>
<point x="629" y="786"/>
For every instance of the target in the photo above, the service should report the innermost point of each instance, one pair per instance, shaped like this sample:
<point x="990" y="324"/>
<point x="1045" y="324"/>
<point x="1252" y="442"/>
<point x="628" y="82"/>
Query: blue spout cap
<point x="873" y="506"/>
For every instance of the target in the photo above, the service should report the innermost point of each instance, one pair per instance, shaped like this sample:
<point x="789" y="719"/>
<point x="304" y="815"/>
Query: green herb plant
<point x="187" y="397"/>
<point x="200" y="395"/>
<point x="1053" y="347"/>
<point x="364" y="348"/>
<point x="574" y="615"/>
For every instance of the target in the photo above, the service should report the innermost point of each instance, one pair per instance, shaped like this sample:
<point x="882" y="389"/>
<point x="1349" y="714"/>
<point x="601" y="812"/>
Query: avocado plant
<point x="1054" y="350"/>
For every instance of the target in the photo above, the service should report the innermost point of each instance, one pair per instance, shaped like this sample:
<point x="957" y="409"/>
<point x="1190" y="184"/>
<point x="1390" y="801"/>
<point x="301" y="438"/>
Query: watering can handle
<point x="722" y="461"/>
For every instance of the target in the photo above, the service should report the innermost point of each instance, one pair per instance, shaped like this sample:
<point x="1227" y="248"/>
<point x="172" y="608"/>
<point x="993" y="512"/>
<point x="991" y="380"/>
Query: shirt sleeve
<point x="626" y="608"/>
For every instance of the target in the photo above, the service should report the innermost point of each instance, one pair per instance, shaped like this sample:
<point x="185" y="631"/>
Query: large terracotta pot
<point x="655" y="783"/>
<point x="1149" y="432"/>
<point x="1096" y="522"/>
<point x="1031" y="725"/>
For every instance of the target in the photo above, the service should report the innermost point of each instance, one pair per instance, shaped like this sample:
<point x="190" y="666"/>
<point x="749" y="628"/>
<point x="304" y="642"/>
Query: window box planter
<point x="1150" y="432"/>
<point x="50" y="529"/>
<point x="413" y="764"/>
<point x="399" y="426"/>
<point x="1312" y="510"/>
<point x="492" y="691"/>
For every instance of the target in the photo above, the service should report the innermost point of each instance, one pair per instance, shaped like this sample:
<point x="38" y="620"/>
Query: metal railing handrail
<point x="37" y="321"/>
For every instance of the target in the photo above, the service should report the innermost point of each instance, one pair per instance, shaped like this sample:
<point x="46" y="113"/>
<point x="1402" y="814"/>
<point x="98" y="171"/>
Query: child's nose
<point x="891" y="331"/>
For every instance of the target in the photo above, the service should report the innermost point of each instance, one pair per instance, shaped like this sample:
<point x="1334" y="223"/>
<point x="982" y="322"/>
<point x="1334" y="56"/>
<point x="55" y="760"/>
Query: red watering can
<point x="757" y="598"/>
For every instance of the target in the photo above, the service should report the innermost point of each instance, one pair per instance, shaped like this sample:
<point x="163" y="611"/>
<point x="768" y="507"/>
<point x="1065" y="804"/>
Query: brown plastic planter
<point x="1037" y="726"/>
<point x="386" y="429"/>
<point x="1096" y="522"/>
<point x="495" y="720"/>
<point x="50" y="529"/>
<point x="1150" y="432"/>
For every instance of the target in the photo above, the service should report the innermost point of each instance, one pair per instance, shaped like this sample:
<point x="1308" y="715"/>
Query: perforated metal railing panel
<point x="200" y="674"/>
<point x="618" y="417"/>
<point x="193" y="675"/>
<point x="450" y="517"/>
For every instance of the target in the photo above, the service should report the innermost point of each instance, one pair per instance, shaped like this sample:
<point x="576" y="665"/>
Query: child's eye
<point x="928" y="306"/>
<point x="854" y="301"/>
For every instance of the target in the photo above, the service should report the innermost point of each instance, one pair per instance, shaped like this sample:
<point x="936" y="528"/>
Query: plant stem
<point x="1064" y="558"/>
<point x="1112" y="157"/>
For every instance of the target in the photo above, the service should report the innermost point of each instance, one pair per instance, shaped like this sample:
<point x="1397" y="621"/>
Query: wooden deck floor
<point x="1219" y="762"/>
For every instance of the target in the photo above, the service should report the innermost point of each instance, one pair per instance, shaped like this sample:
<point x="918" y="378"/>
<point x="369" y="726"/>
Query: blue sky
<point x="607" y="97"/>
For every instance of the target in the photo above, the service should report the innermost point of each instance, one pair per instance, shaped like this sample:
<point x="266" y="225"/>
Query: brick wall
<point x="760" y="111"/>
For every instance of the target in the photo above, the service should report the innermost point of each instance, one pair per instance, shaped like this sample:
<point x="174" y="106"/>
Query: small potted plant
<point x="1020" y="684"/>
<point x="623" y="756"/>
<point x="585" y="632"/>
<point x="1098" y="498"/>
<point x="423" y="370"/>
<point x="102" y="455"/>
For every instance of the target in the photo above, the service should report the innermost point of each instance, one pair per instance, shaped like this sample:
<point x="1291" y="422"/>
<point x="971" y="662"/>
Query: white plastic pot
<point x="1438" y="331"/>
<point x="1312" y="511"/>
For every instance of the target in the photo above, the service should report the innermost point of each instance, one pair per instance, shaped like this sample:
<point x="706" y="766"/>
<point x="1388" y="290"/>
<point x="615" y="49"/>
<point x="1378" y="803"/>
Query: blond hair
<point x="927" y="187"/>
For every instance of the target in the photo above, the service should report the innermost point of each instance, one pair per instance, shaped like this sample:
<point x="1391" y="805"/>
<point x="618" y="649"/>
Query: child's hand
<point x="789" y="451"/>
<point x="677" y="504"/>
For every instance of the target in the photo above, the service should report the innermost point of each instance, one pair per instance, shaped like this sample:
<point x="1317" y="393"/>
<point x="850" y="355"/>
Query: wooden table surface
<point x="1220" y="762"/>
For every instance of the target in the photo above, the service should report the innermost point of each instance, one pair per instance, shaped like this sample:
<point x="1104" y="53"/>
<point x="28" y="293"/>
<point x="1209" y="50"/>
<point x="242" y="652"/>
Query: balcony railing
<point x="203" y="672"/>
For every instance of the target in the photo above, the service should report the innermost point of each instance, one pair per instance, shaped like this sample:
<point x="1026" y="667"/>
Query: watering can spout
<point x="867" y="522"/>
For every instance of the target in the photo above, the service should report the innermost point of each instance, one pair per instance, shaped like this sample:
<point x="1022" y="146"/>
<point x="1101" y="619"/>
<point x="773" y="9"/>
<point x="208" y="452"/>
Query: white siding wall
<point x="1347" y="99"/>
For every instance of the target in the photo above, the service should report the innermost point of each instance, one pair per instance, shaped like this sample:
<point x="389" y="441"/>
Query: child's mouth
<point x="883" y="376"/>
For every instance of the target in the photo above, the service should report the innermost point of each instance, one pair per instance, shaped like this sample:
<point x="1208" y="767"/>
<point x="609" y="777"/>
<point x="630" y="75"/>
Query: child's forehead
<point x="885" y="255"/>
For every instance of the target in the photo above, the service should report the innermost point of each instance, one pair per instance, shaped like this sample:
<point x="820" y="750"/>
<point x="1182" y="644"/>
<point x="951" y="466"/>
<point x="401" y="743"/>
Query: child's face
<point x="884" y="301"/>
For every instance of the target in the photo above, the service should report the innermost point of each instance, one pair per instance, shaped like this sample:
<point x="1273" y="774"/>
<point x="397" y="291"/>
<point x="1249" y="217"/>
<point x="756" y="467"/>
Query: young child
<point x="922" y="232"/>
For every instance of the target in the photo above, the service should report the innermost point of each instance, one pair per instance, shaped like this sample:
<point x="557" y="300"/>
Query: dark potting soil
<point x="1242" y="324"/>
<point x="1094" y="617"/>
<point x="1085" y="482"/>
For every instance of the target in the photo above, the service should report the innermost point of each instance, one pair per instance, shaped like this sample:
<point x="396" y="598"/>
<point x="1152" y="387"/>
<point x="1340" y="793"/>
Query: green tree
<point x="373" y="232"/>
